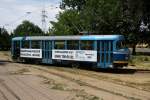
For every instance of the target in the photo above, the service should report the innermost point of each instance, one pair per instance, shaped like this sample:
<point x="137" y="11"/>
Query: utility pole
<point x="44" y="16"/>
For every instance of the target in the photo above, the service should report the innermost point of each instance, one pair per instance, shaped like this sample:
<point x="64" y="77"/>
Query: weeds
<point x="21" y="71"/>
<point x="53" y="84"/>
<point x="82" y="95"/>
<point x="79" y="94"/>
<point x="140" y="61"/>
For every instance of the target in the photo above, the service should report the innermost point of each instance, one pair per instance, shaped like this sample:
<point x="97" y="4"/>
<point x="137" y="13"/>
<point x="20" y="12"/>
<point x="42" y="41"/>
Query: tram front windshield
<point x="121" y="45"/>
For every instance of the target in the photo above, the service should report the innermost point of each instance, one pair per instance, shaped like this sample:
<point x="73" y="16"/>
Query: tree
<point x="73" y="4"/>
<point x="27" y="29"/>
<point x="100" y="16"/>
<point x="5" y="39"/>
<point x="136" y="12"/>
<point x="68" y="23"/>
<point x="106" y="17"/>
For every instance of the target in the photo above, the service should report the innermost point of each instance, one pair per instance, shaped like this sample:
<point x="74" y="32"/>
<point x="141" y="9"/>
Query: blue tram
<point x="100" y="51"/>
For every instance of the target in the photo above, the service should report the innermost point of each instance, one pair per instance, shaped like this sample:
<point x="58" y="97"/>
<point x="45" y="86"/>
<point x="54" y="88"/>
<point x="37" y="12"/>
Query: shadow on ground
<point x="102" y="70"/>
<point x="109" y="70"/>
<point x="3" y="62"/>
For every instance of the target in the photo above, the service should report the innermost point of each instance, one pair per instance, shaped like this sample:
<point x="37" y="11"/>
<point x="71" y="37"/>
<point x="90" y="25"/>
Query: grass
<point x="144" y="86"/>
<point x="140" y="61"/>
<point x="5" y="55"/>
<point x="79" y="94"/>
<point x="85" y="96"/>
<point x="53" y="84"/>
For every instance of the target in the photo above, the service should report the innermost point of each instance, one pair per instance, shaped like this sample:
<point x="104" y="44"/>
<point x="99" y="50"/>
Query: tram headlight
<point x="126" y="57"/>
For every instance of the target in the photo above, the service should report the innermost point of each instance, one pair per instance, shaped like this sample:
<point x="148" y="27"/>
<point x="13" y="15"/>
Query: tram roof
<point x="85" y="37"/>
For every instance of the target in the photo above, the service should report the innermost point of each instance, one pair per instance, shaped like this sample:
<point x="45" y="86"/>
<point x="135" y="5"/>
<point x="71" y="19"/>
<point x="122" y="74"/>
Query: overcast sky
<point x="13" y="12"/>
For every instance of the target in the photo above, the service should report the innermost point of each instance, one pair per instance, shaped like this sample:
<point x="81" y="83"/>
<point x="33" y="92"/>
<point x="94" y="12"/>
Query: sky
<point x="13" y="12"/>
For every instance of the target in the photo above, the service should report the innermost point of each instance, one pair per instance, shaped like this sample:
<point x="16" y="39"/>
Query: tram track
<point x="94" y="74"/>
<point x="102" y="77"/>
<point x="6" y="87"/>
<point x="15" y="83"/>
<point x="10" y="91"/>
<point x="18" y="84"/>
<point x="41" y="93"/>
<point x="1" y="92"/>
<point x="59" y="74"/>
<point x="21" y="84"/>
<point x="118" y="71"/>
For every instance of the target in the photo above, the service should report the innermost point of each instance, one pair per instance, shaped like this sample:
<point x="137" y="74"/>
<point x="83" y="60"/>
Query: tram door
<point x="47" y="52"/>
<point x="105" y="50"/>
<point x="16" y="49"/>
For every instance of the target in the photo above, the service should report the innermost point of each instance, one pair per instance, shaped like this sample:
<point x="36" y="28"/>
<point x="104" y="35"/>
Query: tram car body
<point x="100" y="51"/>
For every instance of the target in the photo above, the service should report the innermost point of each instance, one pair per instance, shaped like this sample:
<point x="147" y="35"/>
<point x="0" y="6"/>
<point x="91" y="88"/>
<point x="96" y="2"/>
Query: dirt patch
<point x="142" y="80"/>
<point x="79" y="82"/>
<point x="87" y="80"/>
<point x="20" y="71"/>
<point x="79" y="94"/>
<point x="5" y="55"/>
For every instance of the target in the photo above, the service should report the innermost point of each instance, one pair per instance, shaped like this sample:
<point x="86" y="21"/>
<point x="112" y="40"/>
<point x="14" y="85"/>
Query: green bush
<point x="140" y="60"/>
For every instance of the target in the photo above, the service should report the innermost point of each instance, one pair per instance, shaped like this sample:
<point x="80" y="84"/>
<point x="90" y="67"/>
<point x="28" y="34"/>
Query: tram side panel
<point x="99" y="53"/>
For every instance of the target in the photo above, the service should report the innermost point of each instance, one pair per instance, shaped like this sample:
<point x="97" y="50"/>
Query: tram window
<point x="87" y="45"/>
<point x="102" y="46"/>
<point x="111" y="44"/>
<point x="35" y="44"/>
<point x="120" y="45"/>
<point x="59" y="44"/>
<point x="98" y="45"/>
<point x="25" y="44"/>
<point x="72" y="45"/>
<point x="106" y="46"/>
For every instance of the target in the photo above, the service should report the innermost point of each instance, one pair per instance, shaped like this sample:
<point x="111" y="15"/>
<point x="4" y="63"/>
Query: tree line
<point x="5" y="39"/>
<point x="27" y="28"/>
<point x="130" y="18"/>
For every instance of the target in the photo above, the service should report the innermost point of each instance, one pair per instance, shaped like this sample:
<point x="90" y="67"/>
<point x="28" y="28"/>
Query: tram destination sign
<point x="30" y="53"/>
<point x="77" y="55"/>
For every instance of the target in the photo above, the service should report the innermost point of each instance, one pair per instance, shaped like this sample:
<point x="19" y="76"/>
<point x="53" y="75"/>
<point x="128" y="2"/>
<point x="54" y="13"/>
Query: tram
<point x="99" y="51"/>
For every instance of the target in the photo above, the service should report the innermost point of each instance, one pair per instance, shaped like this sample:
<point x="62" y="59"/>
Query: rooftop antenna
<point x="44" y="16"/>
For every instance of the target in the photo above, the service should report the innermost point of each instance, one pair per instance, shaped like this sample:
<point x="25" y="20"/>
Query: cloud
<point x="13" y="12"/>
